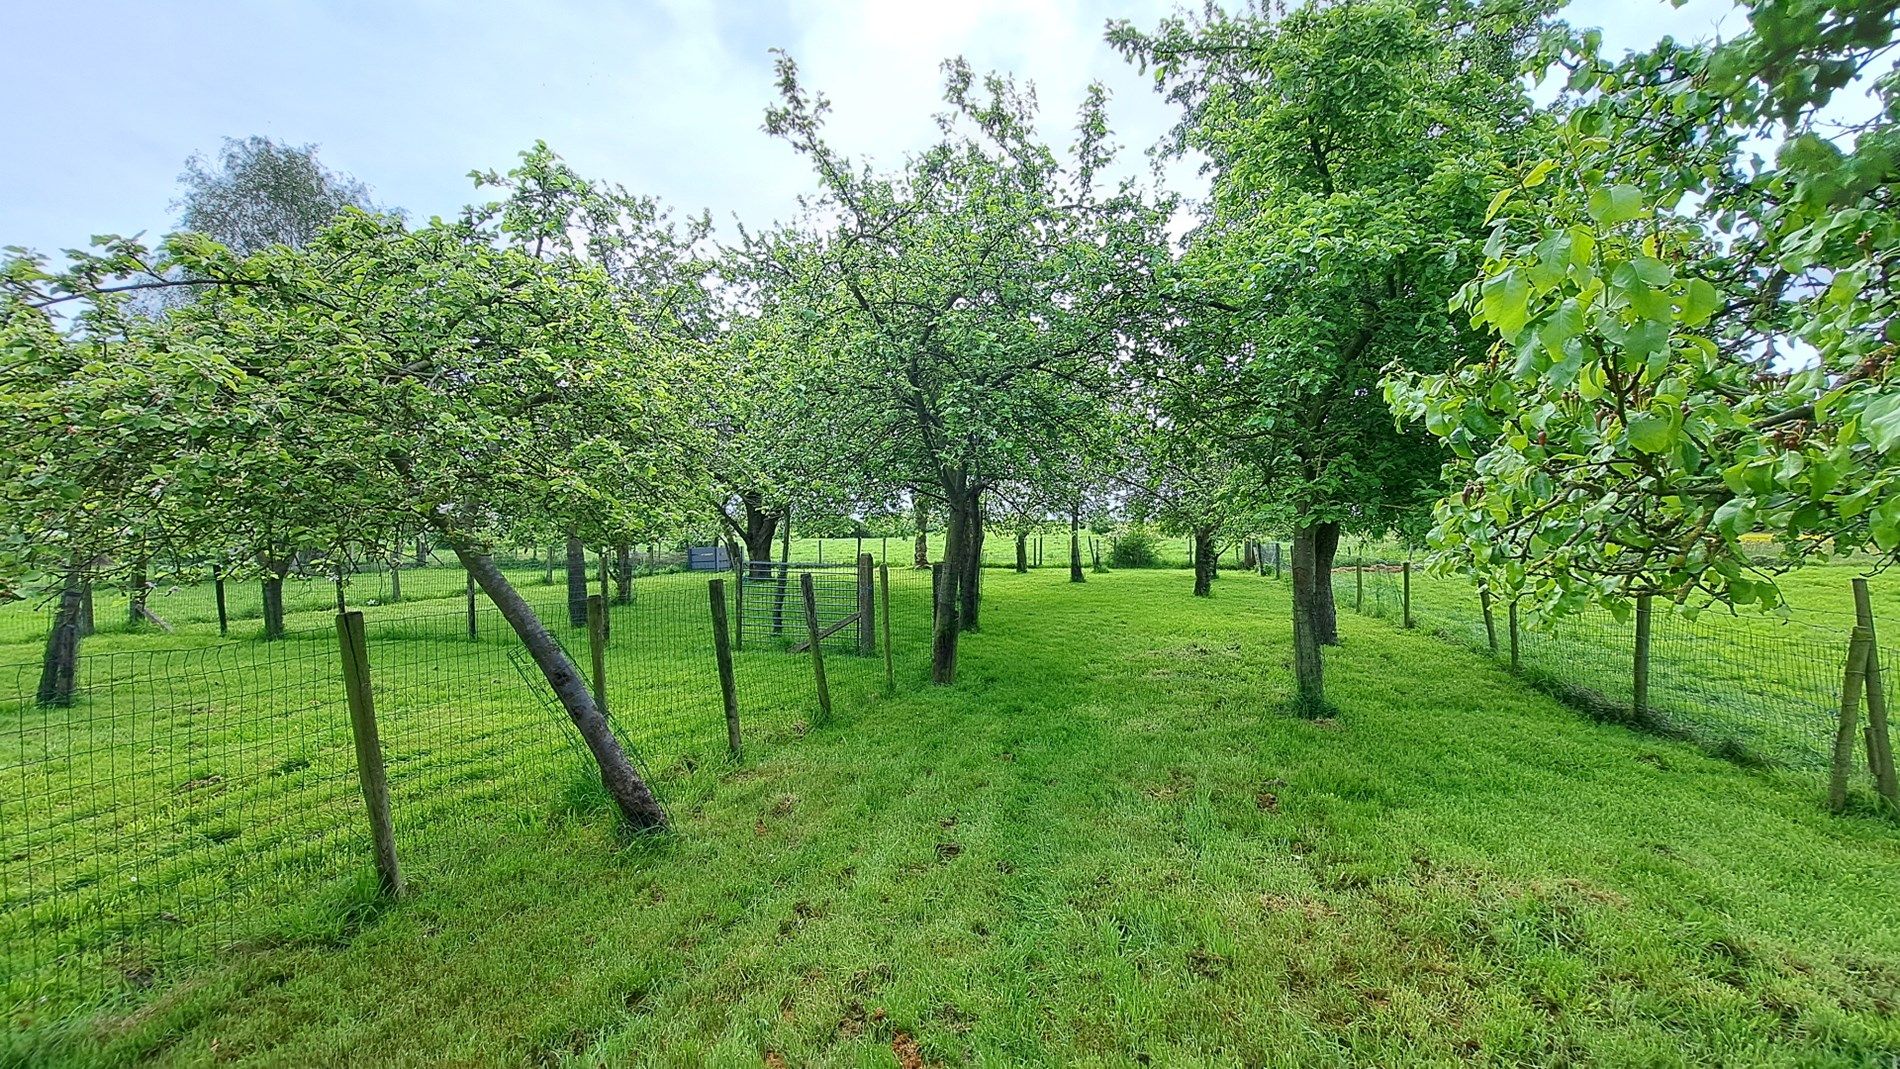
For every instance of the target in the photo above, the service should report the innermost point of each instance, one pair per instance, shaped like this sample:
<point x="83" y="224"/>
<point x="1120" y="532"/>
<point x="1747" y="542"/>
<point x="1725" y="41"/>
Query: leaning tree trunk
<point x="1308" y="671"/>
<point x="85" y="608"/>
<point x="1075" y="549"/>
<point x="971" y="590"/>
<point x="1022" y="551"/>
<point x="1325" y="549"/>
<point x="623" y="574"/>
<point x="59" y="668"/>
<point x="576" y="582"/>
<point x="630" y="793"/>
<point x="1203" y="562"/>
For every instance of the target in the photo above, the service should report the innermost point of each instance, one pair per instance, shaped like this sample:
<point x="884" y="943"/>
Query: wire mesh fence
<point x="1756" y="689"/>
<point x="200" y="797"/>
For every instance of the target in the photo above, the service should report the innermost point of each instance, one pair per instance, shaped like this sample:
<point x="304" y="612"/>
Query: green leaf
<point x="1651" y="433"/>
<point x="1615" y="204"/>
<point x="1507" y="302"/>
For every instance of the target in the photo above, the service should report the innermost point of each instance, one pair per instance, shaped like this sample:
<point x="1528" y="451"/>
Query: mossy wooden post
<point x="1853" y="679"/>
<point x="1511" y="622"/>
<point x="1490" y="620"/>
<point x="884" y="620"/>
<point x="1405" y="593"/>
<point x="722" y="653"/>
<point x="1359" y="583"/>
<point x="1880" y="742"/>
<point x="597" y="647"/>
<point x="1279" y="562"/>
<point x="370" y="773"/>
<point x="471" y="605"/>
<point x="817" y="650"/>
<point x="1639" y="668"/>
<point x="867" y="607"/>
<point x="217" y="591"/>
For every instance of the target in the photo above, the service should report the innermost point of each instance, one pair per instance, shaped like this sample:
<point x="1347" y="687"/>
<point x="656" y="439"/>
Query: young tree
<point x="1351" y="149"/>
<point x="1691" y="342"/>
<point x="972" y="301"/>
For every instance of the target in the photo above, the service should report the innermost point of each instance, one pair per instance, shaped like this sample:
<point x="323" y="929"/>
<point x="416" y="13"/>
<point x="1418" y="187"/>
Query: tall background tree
<point x="1352" y="149"/>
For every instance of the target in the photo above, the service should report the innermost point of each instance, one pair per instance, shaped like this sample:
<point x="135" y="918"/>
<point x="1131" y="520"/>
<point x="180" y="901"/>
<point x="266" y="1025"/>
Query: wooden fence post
<point x="1359" y="583"/>
<point x="1880" y="742"/>
<point x="370" y="774"/>
<point x="471" y="605"/>
<point x="1639" y="681"/>
<point x="1853" y="679"/>
<point x="217" y="589"/>
<point x="597" y="647"/>
<point x="606" y="620"/>
<point x="1490" y="620"/>
<point x="867" y="607"/>
<point x="884" y="618"/>
<point x="1511" y="622"/>
<point x="722" y="653"/>
<point x="1405" y="592"/>
<point x="1279" y="564"/>
<point x="817" y="650"/>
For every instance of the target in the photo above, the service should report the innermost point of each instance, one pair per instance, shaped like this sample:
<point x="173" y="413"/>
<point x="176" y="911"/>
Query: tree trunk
<point x="623" y="574"/>
<point x="1022" y="551"/>
<point x="920" y="552"/>
<point x="576" y="582"/>
<point x="1075" y="548"/>
<point x="1308" y="671"/>
<point x="1203" y="562"/>
<point x="1325" y="549"/>
<point x="395" y="580"/>
<point x="971" y="588"/>
<point x="141" y="589"/>
<point x="59" y="668"/>
<point x="943" y="645"/>
<point x="630" y="793"/>
<point x="422" y="552"/>
<point x="273" y="606"/>
<point x="761" y="525"/>
<point x="85" y="608"/>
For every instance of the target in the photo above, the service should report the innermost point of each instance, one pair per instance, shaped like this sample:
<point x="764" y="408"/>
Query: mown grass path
<point x="1108" y="845"/>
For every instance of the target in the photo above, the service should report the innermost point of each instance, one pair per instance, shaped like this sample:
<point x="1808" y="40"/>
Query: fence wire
<point x="198" y="797"/>
<point x="1754" y="689"/>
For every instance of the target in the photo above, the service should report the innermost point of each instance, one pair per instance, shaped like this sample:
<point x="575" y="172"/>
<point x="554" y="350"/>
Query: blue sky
<point x="663" y="96"/>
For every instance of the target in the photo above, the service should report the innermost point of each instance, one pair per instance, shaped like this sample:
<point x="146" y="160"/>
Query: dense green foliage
<point x="1692" y="343"/>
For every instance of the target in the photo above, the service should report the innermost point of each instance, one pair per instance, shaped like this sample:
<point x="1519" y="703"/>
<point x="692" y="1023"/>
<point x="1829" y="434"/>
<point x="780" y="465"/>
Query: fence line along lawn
<point x="1108" y="844"/>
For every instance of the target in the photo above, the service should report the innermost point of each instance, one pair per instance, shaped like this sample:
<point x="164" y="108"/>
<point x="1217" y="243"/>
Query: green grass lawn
<point x="1105" y="845"/>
